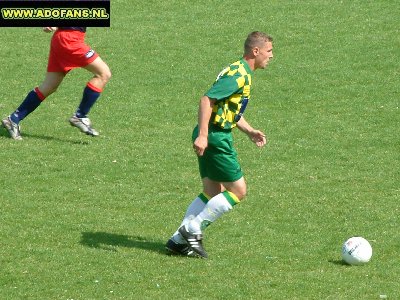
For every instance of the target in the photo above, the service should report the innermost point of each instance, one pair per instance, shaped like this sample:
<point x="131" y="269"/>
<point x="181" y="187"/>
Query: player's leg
<point x="217" y="206"/>
<point x="94" y="87"/>
<point x="101" y="72"/>
<point x="194" y="208"/>
<point x="91" y="93"/>
<point x="177" y="244"/>
<point x="51" y="83"/>
<point x="238" y="188"/>
<point x="31" y="102"/>
<point x="221" y="203"/>
<point x="210" y="189"/>
<point x="224" y="182"/>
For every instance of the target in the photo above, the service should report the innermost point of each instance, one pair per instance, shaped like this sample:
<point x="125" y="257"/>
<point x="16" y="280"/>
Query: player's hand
<point x="258" y="137"/>
<point x="49" y="29"/>
<point x="200" y="144"/>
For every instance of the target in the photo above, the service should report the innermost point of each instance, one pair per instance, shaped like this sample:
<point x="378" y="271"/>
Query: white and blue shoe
<point x="84" y="125"/>
<point x="12" y="128"/>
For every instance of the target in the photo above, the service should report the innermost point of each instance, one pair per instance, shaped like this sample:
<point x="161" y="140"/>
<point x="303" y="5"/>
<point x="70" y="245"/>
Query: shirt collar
<point x="246" y="66"/>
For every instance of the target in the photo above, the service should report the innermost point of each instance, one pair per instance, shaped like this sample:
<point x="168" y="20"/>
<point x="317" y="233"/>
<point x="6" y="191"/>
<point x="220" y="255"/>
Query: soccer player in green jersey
<point x="221" y="109"/>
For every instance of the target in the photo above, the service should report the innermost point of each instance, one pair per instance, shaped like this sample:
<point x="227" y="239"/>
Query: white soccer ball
<point x="356" y="251"/>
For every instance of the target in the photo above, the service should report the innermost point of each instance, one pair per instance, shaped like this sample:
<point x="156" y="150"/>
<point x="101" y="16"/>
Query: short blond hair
<point x="256" y="39"/>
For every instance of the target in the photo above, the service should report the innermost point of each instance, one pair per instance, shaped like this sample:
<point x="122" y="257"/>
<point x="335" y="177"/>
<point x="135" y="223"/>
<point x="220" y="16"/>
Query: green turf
<point x="85" y="218"/>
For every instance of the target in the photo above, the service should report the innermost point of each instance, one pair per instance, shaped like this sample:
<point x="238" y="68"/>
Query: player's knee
<point x="241" y="193"/>
<point x="106" y="76"/>
<point x="238" y="188"/>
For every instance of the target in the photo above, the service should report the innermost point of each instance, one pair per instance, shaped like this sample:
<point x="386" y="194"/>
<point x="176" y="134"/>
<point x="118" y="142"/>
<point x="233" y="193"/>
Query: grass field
<point x="85" y="218"/>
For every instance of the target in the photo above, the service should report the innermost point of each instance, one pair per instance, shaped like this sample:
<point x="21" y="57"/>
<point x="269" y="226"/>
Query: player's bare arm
<point x="258" y="137"/>
<point x="205" y="110"/>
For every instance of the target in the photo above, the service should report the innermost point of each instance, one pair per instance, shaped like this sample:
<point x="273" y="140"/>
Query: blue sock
<point x="89" y="98"/>
<point x="31" y="102"/>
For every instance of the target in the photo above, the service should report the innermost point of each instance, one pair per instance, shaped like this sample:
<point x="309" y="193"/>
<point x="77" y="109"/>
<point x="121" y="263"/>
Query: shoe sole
<point x="190" y="253"/>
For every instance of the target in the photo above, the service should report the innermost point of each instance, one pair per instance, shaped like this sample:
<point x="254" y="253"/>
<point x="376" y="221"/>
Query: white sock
<point x="214" y="209"/>
<point x="192" y="211"/>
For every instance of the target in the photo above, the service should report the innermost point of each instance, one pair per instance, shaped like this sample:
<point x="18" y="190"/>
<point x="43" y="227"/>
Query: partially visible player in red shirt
<point x="67" y="51"/>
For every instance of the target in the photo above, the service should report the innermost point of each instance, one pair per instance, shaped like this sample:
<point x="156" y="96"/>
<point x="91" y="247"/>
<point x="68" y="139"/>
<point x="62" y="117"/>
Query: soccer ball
<point x="356" y="251"/>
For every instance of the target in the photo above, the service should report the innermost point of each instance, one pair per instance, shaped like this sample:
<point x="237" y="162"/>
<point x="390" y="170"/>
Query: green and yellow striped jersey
<point x="231" y="90"/>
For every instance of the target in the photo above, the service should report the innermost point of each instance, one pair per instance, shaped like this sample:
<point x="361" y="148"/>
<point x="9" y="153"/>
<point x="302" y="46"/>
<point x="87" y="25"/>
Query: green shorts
<point x="219" y="161"/>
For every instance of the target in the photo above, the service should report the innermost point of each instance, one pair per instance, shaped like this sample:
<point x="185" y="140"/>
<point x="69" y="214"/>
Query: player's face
<point x="263" y="55"/>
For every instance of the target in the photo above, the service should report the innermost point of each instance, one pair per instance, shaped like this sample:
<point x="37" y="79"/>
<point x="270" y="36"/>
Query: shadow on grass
<point x="338" y="262"/>
<point x="111" y="241"/>
<point x="54" y="139"/>
<point x="4" y="133"/>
